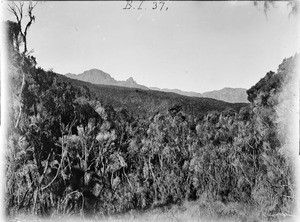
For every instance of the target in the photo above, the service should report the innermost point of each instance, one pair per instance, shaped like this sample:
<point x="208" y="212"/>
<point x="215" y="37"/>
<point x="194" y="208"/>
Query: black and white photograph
<point x="150" y="111"/>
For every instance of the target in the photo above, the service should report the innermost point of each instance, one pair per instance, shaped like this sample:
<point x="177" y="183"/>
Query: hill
<point x="227" y="94"/>
<point x="178" y="91"/>
<point x="147" y="102"/>
<point x="97" y="76"/>
<point x="231" y="95"/>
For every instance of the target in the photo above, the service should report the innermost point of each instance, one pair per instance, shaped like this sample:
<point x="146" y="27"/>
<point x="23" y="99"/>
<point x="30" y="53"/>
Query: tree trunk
<point x="21" y="107"/>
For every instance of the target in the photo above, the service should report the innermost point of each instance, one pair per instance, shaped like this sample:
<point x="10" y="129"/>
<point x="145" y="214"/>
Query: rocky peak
<point x="97" y="76"/>
<point x="131" y="80"/>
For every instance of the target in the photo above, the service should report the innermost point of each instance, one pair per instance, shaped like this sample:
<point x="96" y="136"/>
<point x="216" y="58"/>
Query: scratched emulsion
<point x="288" y="121"/>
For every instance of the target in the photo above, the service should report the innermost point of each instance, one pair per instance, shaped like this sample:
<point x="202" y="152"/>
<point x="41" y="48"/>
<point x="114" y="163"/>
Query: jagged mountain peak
<point x="131" y="80"/>
<point x="97" y="76"/>
<point x="97" y="72"/>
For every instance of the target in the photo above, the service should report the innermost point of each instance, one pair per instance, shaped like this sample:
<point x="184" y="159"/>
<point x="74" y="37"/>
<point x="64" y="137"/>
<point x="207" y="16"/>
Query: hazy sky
<point x="192" y="46"/>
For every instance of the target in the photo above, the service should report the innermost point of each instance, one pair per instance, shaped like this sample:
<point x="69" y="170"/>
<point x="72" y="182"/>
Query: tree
<point x="18" y="12"/>
<point x="18" y="35"/>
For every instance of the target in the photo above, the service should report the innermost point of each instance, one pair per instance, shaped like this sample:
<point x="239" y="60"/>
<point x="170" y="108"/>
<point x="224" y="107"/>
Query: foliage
<point x="71" y="154"/>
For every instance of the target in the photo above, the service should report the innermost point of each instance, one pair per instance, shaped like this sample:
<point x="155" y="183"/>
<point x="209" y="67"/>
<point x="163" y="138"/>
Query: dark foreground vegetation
<point x="69" y="154"/>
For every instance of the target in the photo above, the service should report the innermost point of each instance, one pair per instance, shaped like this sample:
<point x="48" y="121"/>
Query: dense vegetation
<point x="70" y="154"/>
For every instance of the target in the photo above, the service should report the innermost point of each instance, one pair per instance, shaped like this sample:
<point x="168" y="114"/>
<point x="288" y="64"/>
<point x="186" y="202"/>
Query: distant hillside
<point x="147" y="102"/>
<point x="178" y="91"/>
<point x="97" y="76"/>
<point x="231" y="95"/>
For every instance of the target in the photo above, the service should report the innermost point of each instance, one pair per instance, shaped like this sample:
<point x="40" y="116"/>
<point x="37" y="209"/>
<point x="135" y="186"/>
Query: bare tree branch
<point x="12" y="9"/>
<point x="18" y="12"/>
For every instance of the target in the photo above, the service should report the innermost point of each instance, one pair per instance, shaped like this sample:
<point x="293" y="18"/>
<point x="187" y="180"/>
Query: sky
<point x="191" y="46"/>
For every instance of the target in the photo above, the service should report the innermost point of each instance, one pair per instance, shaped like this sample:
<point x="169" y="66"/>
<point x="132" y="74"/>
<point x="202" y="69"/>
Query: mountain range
<point x="146" y="103"/>
<point x="96" y="76"/>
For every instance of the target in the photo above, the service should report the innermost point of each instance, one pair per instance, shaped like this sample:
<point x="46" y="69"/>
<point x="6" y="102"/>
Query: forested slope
<point x="145" y="103"/>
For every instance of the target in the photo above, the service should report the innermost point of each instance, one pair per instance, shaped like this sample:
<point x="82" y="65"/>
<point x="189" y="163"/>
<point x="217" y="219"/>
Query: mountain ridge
<point x="97" y="76"/>
<point x="228" y="94"/>
<point x="146" y="103"/>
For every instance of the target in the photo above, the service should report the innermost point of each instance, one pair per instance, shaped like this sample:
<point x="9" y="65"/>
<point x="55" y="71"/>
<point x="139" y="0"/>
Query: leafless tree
<point x="24" y="19"/>
<point x="17" y="9"/>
